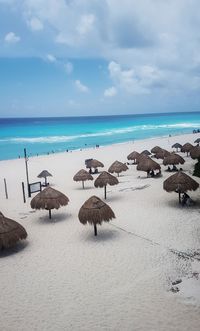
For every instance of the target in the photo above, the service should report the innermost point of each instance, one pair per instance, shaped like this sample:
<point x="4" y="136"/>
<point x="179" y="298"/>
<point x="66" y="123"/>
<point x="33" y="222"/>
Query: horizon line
<point x="108" y="115"/>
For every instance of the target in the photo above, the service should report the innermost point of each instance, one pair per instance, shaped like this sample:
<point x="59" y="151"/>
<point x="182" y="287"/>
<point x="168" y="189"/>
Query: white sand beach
<point x="64" y="278"/>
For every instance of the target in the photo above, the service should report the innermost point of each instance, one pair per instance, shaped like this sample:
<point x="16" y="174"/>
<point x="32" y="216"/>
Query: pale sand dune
<point x="64" y="278"/>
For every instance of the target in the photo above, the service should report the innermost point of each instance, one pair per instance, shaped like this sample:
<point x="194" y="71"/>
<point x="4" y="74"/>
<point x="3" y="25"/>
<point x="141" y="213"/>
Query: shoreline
<point x="100" y="146"/>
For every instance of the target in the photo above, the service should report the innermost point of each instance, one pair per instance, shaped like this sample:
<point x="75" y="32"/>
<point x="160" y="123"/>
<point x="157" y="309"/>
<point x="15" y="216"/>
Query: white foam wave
<point x="57" y="139"/>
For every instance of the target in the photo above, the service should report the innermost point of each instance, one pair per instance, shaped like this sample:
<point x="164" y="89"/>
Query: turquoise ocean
<point x="57" y="134"/>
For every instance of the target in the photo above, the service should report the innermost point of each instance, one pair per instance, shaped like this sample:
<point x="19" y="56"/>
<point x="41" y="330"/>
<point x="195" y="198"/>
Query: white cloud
<point x="35" y="24"/>
<point x="110" y="92"/>
<point x="72" y="103"/>
<point x="81" y="87"/>
<point x="86" y="24"/>
<point x="11" y="38"/>
<point x="125" y="79"/>
<point x="149" y="46"/>
<point x="139" y="80"/>
<point x="68" y="67"/>
<point x="51" y="58"/>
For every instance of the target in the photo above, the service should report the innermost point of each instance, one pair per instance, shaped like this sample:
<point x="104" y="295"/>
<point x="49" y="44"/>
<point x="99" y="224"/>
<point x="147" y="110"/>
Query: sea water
<point x="57" y="134"/>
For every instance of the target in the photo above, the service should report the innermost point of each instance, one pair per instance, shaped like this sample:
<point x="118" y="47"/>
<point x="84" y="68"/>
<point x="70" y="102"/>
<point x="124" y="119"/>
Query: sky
<point x="99" y="57"/>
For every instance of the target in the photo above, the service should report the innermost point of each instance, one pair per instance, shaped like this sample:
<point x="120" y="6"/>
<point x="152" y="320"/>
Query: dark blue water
<point x="44" y="135"/>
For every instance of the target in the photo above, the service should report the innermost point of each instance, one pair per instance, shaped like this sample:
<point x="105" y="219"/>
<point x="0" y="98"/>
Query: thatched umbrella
<point x="177" y="146"/>
<point x="142" y="157"/>
<point x="180" y="183"/>
<point x="195" y="152"/>
<point x="147" y="165"/>
<point x="145" y="152"/>
<point x="173" y="159"/>
<point x="156" y="149"/>
<point x="162" y="154"/>
<point x="95" y="211"/>
<point x="117" y="167"/>
<point x="92" y="163"/>
<point x="44" y="174"/>
<point x="105" y="179"/>
<point x="197" y="141"/>
<point x="81" y="176"/>
<point x="186" y="148"/>
<point x="10" y="232"/>
<point x="49" y="199"/>
<point x="133" y="156"/>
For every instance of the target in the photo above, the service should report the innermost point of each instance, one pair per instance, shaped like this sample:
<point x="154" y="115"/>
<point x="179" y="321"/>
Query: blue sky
<point x="92" y="57"/>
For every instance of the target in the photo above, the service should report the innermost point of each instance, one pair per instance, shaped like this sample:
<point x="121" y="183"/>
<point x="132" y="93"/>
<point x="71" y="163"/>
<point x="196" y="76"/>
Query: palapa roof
<point x="162" y="154"/>
<point x="49" y="198"/>
<point x="117" y="167"/>
<point x="197" y="140"/>
<point x="95" y="211"/>
<point x="195" y="152"/>
<point x="177" y="145"/>
<point x="44" y="174"/>
<point x="145" y="152"/>
<point x="142" y="157"/>
<point x="94" y="164"/>
<point x="173" y="159"/>
<point x="180" y="182"/>
<point x="156" y="149"/>
<point x="187" y="147"/>
<point x="147" y="165"/>
<point x="10" y="232"/>
<point x="105" y="179"/>
<point x="82" y="175"/>
<point x="133" y="156"/>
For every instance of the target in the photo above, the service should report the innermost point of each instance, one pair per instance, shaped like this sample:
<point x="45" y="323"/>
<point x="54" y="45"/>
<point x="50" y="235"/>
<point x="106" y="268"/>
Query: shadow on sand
<point x="112" y="197"/>
<point x="14" y="250"/>
<point x="85" y="188"/>
<point x="102" y="235"/>
<point x="174" y="203"/>
<point x="55" y="218"/>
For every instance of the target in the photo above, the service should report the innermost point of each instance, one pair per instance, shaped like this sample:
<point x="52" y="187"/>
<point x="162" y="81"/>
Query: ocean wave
<point x="63" y="138"/>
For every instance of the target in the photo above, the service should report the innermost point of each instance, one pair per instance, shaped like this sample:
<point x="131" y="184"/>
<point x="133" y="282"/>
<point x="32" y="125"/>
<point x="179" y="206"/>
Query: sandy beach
<point x="64" y="278"/>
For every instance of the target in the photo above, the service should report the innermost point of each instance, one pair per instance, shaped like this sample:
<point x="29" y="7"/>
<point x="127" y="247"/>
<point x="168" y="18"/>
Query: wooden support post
<point x="105" y="192"/>
<point x="6" y="191"/>
<point x="179" y="196"/>
<point x="23" y="191"/>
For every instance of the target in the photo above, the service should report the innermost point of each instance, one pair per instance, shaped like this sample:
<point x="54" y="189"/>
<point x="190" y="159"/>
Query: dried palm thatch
<point x="197" y="141"/>
<point x="81" y="176"/>
<point x="117" y="167"/>
<point x="44" y="174"/>
<point x="147" y="165"/>
<point x="10" y="232"/>
<point x="49" y="199"/>
<point x="94" y="211"/>
<point x="105" y="179"/>
<point x="177" y="146"/>
<point x="92" y="163"/>
<point x="156" y="149"/>
<point x="133" y="156"/>
<point x="142" y="157"/>
<point x="180" y="183"/>
<point x="162" y="154"/>
<point x="195" y="152"/>
<point x="173" y="159"/>
<point x="145" y="152"/>
<point x="186" y="148"/>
